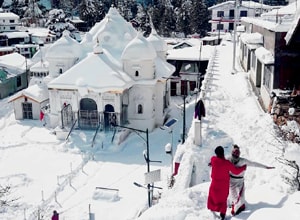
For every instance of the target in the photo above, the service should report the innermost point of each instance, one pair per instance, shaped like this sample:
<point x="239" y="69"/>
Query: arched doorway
<point x="109" y="117"/>
<point x="88" y="117"/>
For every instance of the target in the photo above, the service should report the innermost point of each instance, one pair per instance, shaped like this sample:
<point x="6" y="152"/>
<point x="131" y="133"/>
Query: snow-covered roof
<point x="252" y="38"/>
<point x="191" y="53"/>
<point x="26" y="45"/>
<point x="9" y="48"/>
<point x="240" y="28"/>
<point x="101" y="70"/>
<point x="113" y="32"/>
<point x="139" y="49"/>
<point x="15" y="61"/>
<point x="94" y="73"/>
<point x="289" y="9"/>
<point x="269" y="25"/>
<point x="278" y="20"/>
<point x="264" y="55"/>
<point x="295" y="24"/>
<point x="209" y="38"/>
<point x="65" y="47"/>
<point x="246" y="4"/>
<point x="37" y="92"/>
<point x="188" y="42"/>
<point x="8" y="15"/>
<point x="15" y="34"/>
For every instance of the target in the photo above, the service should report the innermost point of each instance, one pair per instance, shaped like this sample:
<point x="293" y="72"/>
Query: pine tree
<point x="67" y="6"/>
<point x="128" y="9"/>
<point x="91" y="11"/>
<point x="183" y="18"/>
<point x="199" y="17"/>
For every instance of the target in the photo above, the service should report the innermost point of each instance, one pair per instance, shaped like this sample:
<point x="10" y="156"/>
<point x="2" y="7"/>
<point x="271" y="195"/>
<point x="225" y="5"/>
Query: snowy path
<point x="227" y="122"/>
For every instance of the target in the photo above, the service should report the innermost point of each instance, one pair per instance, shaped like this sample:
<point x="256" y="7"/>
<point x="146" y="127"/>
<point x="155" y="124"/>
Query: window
<point x="11" y="21"/>
<point x="136" y="73"/>
<point x="243" y="14"/>
<point x="220" y="14"/>
<point x="231" y="14"/>
<point x="220" y="26"/>
<point x="189" y="67"/>
<point x="245" y="52"/>
<point x="268" y="70"/>
<point x="19" y="81"/>
<point x="140" y="109"/>
<point x="253" y="58"/>
<point x="60" y="71"/>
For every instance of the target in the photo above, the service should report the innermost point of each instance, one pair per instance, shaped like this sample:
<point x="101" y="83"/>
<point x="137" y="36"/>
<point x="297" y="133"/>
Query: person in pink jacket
<point x="219" y="186"/>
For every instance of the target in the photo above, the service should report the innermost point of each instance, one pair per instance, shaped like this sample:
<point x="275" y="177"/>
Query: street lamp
<point x="169" y="147"/>
<point x="146" y="154"/>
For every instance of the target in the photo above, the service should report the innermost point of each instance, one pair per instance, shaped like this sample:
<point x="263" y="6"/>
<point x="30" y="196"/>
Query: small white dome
<point x="64" y="47"/>
<point x="139" y="49"/>
<point x="158" y="43"/>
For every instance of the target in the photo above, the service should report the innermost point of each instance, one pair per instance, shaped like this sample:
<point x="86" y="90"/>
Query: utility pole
<point x="219" y="29"/>
<point x="184" y="99"/>
<point x="183" y="126"/>
<point x="237" y="2"/>
<point x="146" y="156"/>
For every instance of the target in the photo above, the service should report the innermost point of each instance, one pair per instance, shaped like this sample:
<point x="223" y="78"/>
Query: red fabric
<point x="41" y="116"/>
<point x="219" y="187"/>
<point x="176" y="168"/>
<point x="55" y="217"/>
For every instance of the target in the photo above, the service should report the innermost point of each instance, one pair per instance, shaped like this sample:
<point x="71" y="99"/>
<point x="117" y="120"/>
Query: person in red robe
<point x="220" y="178"/>
<point x="42" y="115"/>
<point x="55" y="215"/>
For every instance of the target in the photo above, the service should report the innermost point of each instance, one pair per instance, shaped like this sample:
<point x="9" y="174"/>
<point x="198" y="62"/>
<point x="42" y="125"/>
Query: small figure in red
<point x="55" y="215"/>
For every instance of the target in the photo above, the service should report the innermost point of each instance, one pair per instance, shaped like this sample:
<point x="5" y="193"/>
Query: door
<point x="27" y="110"/>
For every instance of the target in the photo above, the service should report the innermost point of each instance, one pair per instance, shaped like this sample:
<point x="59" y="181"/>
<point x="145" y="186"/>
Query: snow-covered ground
<point x="70" y="176"/>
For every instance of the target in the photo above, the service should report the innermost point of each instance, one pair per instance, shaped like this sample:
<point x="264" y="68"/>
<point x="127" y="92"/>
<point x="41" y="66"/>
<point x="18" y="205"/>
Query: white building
<point x="223" y="14"/>
<point x="9" y="22"/>
<point x="13" y="74"/>
<point x="29" y="102"/>
<point x="265" y="52"/>
<point x="115" y="75"/>
<point x="190" y="60"/>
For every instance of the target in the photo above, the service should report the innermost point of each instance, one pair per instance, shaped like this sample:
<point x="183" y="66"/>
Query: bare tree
<point x="5" y="200"/>
<point x="293" y="177"/>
